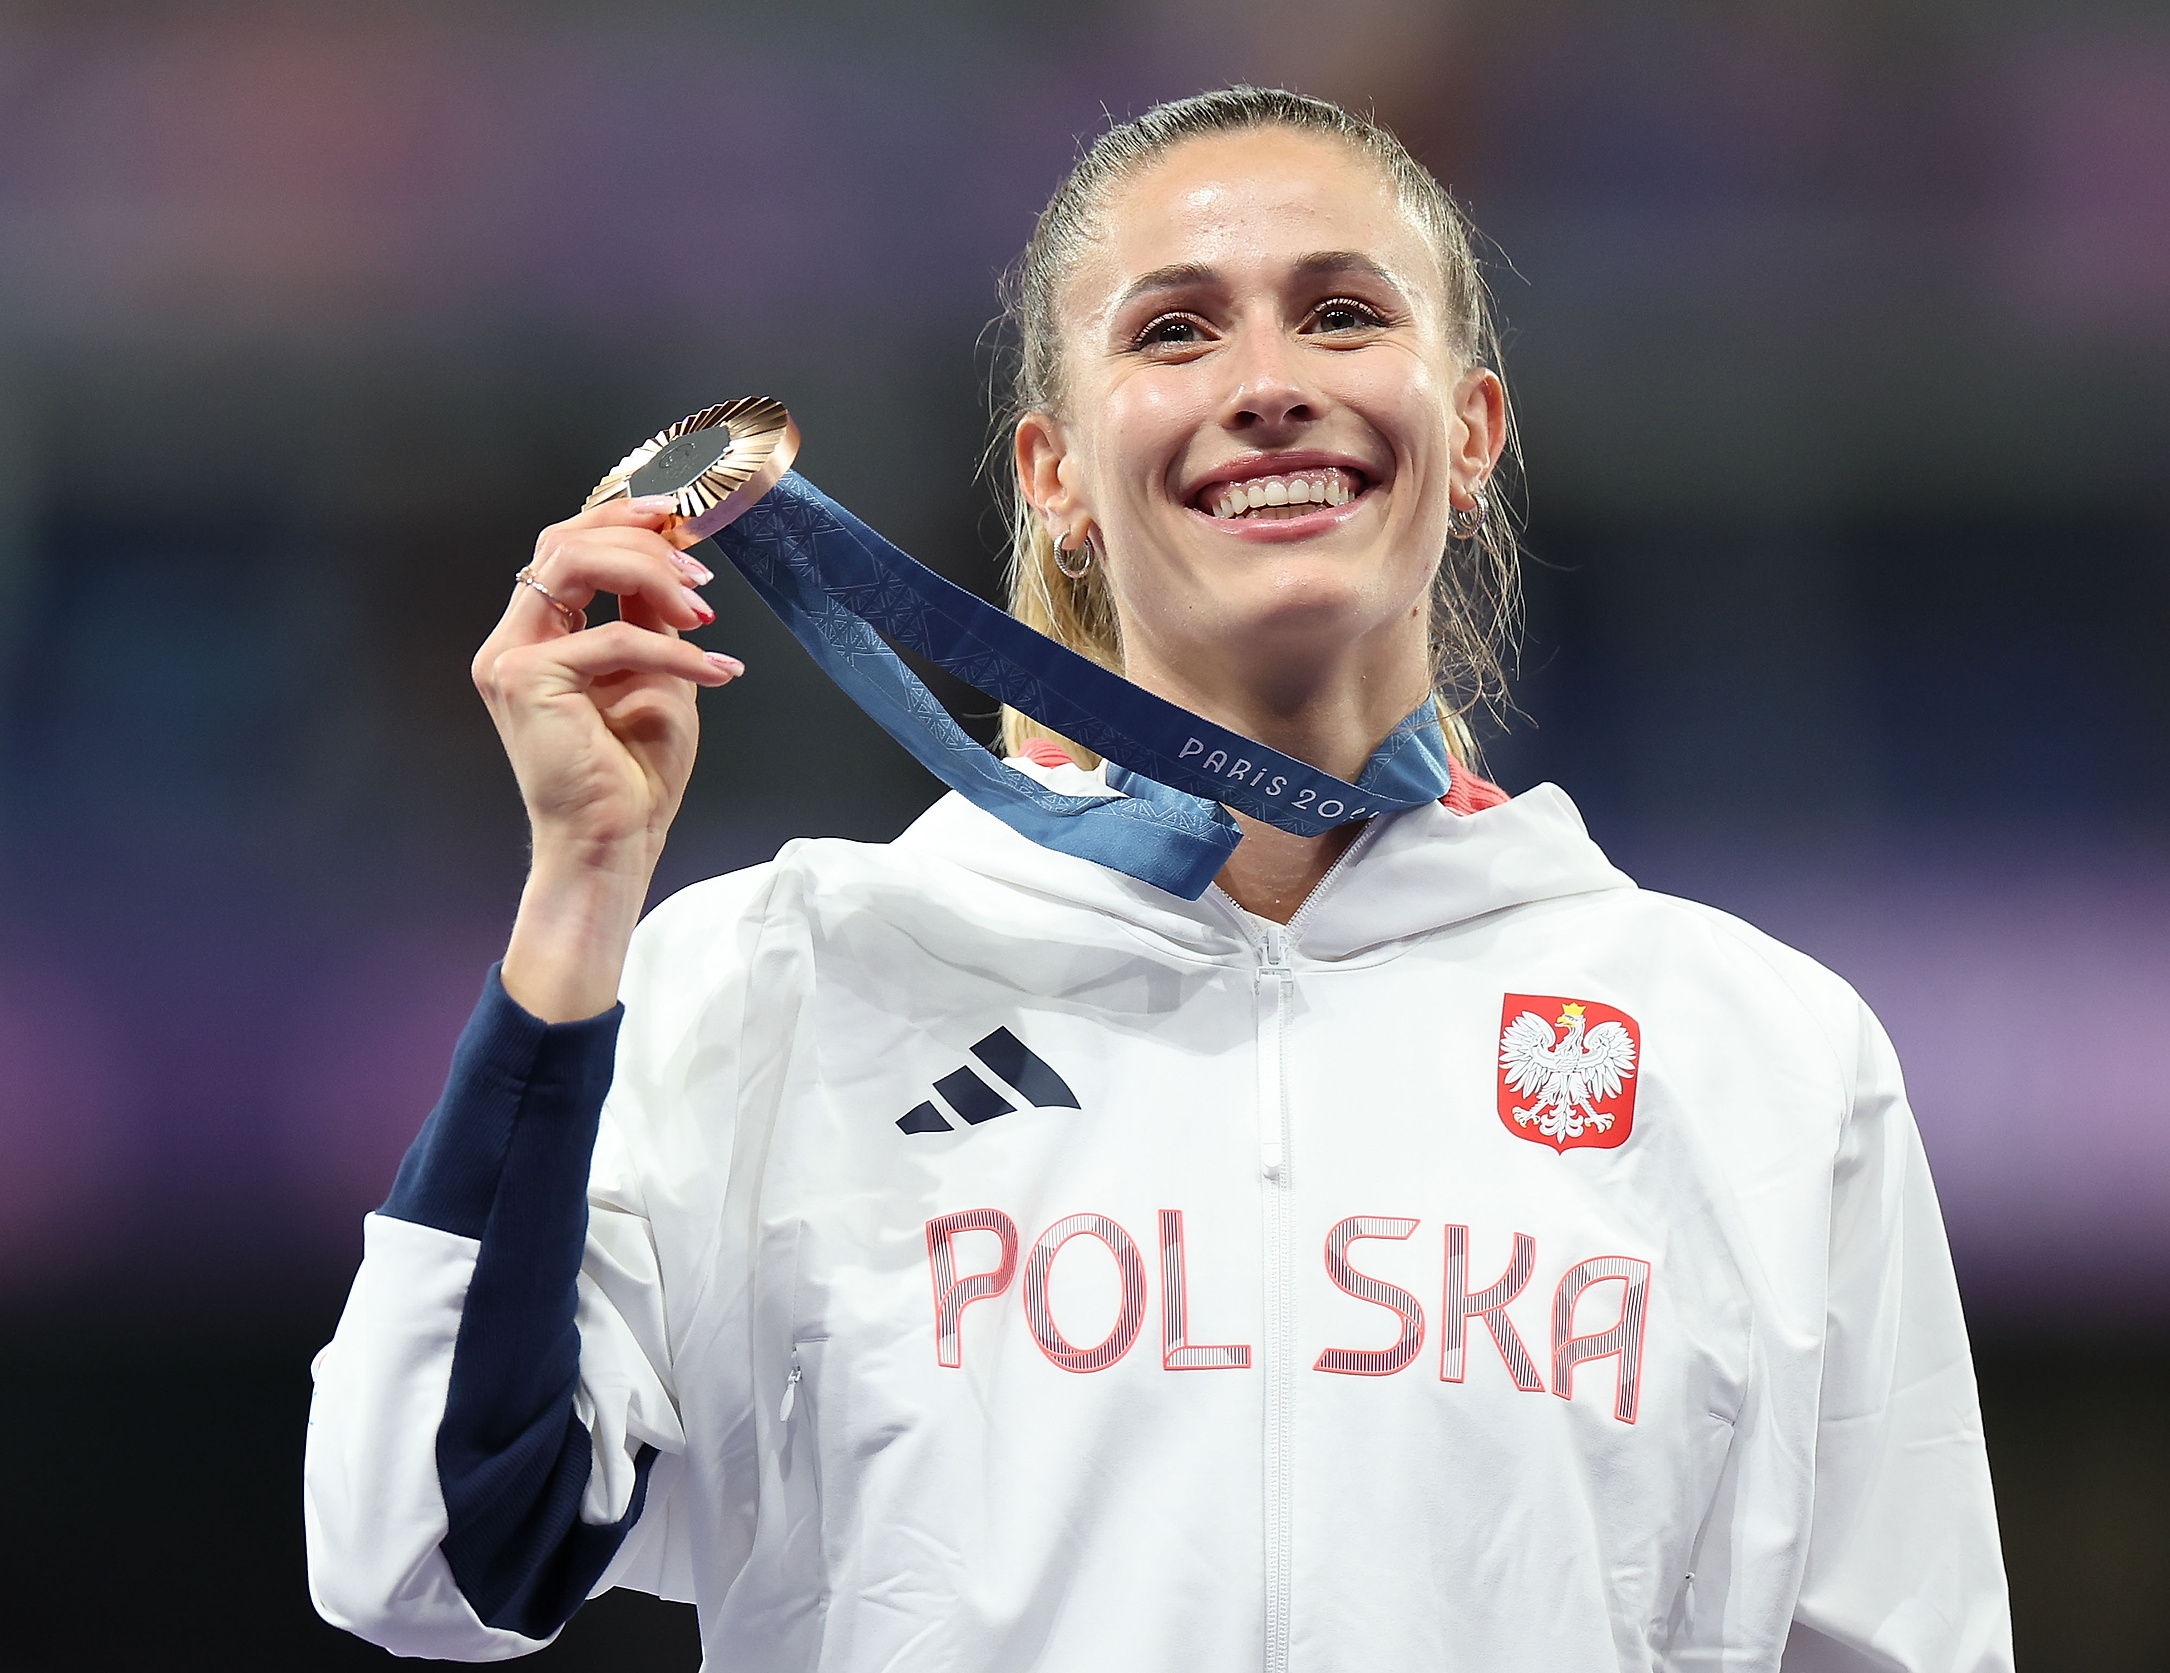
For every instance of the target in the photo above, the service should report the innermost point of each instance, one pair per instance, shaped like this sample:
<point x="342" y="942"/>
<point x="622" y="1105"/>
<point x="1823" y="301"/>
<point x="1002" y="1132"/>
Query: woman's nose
<point x="1270" y="391"/>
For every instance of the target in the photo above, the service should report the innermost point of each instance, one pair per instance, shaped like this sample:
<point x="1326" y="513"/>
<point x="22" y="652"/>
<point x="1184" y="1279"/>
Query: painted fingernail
<point x="729" y="664"/>
<point x="689" y="565"/>
<point x="700" y="604"/>
<point x="655" y="502"/>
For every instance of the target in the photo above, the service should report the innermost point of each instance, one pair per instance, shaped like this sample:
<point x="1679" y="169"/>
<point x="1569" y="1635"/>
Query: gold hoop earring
<point x="1084" y="564"/>
<point x="1463" y="525"/>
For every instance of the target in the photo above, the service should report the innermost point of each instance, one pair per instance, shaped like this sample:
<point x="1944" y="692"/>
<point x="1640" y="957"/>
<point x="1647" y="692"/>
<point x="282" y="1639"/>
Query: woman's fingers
<point x="656" y="515"/>
<point x="553" y="543"/>
<point x="641" y="613"/>
<point x="616" y="548"/>
<point x="576" y="661"/>
<point x="656" y="512"/>
<point x="628" y="562"/>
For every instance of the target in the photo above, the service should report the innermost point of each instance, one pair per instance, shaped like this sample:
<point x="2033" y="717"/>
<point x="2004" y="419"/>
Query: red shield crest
<point x="1567" y="1071"/>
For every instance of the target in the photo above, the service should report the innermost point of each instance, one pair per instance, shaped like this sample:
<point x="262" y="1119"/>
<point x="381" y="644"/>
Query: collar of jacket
<point x="1423" y="870"/>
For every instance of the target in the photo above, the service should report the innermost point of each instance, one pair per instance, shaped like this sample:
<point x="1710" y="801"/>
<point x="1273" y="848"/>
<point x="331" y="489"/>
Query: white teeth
<point x="1286" y="495"/>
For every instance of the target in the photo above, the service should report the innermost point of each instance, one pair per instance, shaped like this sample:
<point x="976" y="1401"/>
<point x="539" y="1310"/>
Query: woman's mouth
<point x="1279" y="497"/>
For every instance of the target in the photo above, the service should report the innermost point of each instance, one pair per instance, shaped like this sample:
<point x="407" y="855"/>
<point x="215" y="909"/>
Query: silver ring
<point x="574" y="619"/>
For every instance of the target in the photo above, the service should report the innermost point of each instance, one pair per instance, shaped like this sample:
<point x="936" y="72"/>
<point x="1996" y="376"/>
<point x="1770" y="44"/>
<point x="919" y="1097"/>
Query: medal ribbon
<point x="839" y="586"/>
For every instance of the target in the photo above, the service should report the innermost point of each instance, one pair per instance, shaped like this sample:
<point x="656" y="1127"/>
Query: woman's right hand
<point x="601" y="729"/>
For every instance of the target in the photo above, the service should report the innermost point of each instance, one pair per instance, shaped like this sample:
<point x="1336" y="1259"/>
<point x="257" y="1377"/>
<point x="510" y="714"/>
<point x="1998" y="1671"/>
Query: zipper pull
<point x="1274" y="955"/>
<point x="791" y="1393"/>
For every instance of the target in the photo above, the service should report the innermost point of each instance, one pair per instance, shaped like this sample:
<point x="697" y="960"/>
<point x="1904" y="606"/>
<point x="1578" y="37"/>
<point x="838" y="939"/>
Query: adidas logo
<point x="972" y="1097"/>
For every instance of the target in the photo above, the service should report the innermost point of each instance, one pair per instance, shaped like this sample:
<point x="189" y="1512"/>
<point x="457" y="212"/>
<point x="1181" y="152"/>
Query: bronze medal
<point x="715" y="463"/>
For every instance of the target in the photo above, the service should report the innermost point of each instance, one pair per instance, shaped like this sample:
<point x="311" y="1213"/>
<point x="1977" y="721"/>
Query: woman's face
<point x="1262" y="415"/>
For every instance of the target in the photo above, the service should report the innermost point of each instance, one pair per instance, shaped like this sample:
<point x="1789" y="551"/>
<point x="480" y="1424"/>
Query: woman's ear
<point x="1480" y="403"/>
<point x="1041" y="476"/>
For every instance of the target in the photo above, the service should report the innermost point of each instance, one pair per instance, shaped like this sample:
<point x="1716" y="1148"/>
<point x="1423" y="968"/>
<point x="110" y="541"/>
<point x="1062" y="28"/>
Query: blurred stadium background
<point x="1841" y="337"/>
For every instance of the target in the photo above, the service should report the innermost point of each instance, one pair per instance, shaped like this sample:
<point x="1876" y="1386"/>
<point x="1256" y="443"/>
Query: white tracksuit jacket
<point x="994" y="1264"/>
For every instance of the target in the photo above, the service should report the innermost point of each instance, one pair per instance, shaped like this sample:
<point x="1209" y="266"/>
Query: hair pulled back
<point x="1476" y="596"/>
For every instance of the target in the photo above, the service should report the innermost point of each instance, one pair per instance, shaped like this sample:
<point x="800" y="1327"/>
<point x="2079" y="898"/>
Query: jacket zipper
<point x="1276" y="986"/>
<point x="1274" y="994"/>
<point x="791" y="1390"/>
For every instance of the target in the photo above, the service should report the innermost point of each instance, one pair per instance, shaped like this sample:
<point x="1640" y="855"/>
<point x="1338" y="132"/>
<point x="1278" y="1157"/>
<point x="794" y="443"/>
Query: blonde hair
<point x="1477" y="592"/>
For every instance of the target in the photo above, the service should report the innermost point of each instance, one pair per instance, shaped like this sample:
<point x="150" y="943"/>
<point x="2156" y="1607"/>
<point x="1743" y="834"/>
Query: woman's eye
<point x="1170" y="330"/>
<point x="1344" y="314"/>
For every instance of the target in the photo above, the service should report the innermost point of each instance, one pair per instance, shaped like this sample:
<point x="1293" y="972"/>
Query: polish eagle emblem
<point x="1568" y="1082"/>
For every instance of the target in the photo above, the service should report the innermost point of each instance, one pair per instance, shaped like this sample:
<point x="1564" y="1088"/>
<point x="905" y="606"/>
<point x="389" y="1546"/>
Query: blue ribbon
<point x="839" y="586"/>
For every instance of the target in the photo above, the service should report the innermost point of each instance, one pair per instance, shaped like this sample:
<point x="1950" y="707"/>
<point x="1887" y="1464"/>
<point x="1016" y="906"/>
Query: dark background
<point x="1841" y="339"/>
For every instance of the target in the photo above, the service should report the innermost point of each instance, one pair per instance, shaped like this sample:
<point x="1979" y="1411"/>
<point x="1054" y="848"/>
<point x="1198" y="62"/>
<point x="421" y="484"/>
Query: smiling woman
<point x="1266" y="436"/>
<point x="833" y="1250"/>
<point x="1408" y="275"/>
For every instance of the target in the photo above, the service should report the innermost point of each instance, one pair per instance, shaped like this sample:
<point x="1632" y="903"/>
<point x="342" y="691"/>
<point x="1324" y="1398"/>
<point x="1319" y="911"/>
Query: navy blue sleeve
<point x="504" y="1159"/>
